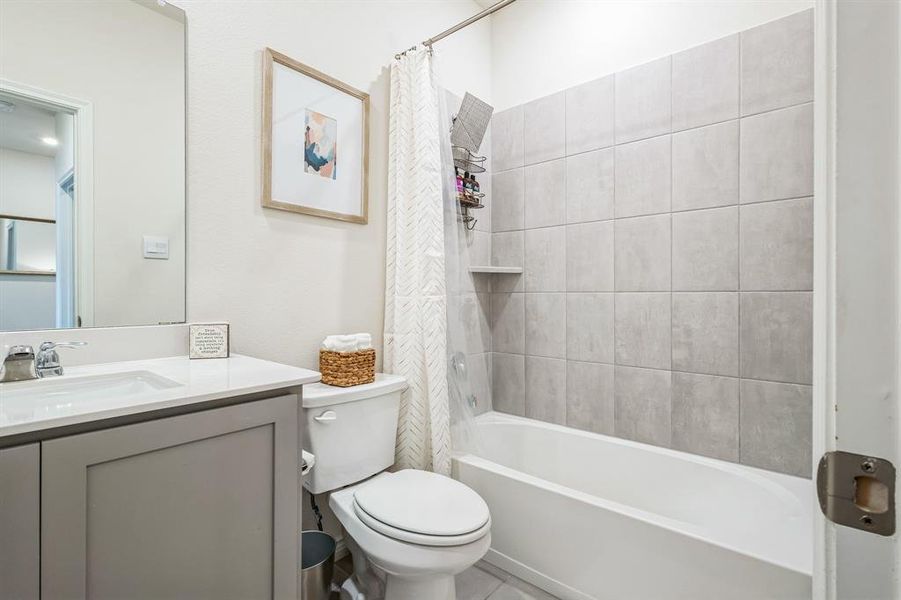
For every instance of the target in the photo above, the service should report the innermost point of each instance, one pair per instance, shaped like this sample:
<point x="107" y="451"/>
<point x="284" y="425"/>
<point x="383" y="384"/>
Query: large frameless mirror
<point x="92" y="163"/>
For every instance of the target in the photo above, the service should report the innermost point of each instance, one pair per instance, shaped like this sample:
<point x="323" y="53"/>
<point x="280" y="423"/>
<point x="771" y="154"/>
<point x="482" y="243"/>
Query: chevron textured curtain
<point x="415" y="289"/>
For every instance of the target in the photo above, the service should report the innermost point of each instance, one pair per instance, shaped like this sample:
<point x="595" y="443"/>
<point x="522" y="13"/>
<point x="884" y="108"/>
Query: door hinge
<point x="857" y="491"/>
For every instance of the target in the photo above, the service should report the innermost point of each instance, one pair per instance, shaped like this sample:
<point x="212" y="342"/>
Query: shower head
<point x="471" y="123"/>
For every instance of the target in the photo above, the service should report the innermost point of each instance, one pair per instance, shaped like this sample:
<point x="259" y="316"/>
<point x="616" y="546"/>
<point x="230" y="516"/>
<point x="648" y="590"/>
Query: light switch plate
<point x="156" y="246"/>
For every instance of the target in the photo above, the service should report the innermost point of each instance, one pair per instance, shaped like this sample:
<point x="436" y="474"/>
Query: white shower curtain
<point x="415" y="289"/>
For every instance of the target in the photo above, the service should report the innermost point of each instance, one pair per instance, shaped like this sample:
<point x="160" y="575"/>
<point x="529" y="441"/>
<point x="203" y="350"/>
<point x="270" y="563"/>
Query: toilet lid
<point x="423" y="503"/>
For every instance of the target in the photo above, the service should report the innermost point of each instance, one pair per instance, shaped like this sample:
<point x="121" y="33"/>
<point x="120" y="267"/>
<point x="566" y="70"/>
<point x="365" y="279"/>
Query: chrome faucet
<point x="21" y="362"/>
<point x="18" y="365"/>
<point x="46" y="363"/>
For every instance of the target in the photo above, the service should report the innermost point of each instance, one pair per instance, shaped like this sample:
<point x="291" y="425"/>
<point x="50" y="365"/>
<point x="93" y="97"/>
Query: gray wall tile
<point x="546" y="389"/>
<point x="507" y="250"/>
<point x="506" y="139"/>
<point x="776" y="426"/>
<point x="589" y="186"/>
<point x="589" y="397"/>
<point x="546" y="325"/>
<point x="777" y="245"/>
<point x="705" y="84"/>
<point x="508" y="328"/>
<point x="545" y="260"/>
<point x="507" y="200"/>
<point x="643" y="178"/>
<point x="643" y="106"/>
<point x="642" y="330"/>
<point x="589" y="327"/>
<point x="705" y="250"/>
<point x="508" y="381"/>
<point x="485" y="180"/>
<point x="777" y="155"/>
<point x="481" y="282"/>
<point x="705" y="167"/>
<point x="475" y="313"/>
<point x="544" y="129"/>
<point x="705" y="332"/>
<point x="643" y="405"/>
<point x="704" y="234"/>
<point x="642" y="254"/>
<point x="479" y="245"/>
<point x="589" y="257"/>
<point x="545" y="193"/>
<point x="705" y="415"/>
<point x="776" y="336"/>
<point x="777" y="64"/>
<point x="590" y="116"/>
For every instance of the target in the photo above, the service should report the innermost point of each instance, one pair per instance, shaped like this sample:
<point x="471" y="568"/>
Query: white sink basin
<point x="30" y="399"/>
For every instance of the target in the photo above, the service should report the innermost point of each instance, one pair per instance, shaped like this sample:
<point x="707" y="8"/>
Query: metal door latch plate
<point x="857" y="491"/>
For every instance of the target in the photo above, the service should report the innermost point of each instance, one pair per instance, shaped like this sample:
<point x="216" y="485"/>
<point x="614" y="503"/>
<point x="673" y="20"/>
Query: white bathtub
<point x="587" y="516"/>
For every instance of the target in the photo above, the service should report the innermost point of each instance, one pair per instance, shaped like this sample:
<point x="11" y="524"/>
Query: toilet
<point x="409" y="531"/>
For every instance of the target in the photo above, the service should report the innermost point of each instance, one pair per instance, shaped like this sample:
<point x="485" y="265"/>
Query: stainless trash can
<point x="317" y="564"/>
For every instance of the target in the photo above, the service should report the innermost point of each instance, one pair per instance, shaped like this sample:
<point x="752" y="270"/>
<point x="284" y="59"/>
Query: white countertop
<point x="189" y="382"/>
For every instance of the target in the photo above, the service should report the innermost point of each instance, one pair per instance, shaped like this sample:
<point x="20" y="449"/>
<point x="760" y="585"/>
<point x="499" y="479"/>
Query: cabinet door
<point x="20" y="503"/>
<point x="197" y="506"/>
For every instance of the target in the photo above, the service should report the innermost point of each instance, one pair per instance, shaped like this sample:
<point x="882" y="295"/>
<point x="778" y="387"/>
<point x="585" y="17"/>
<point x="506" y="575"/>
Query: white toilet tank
<point x="351" y="431"/>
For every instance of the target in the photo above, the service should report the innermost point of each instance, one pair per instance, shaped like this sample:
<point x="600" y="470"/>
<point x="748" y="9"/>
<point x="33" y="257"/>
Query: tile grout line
<point x="671" y="245"/>
<point x="738" y="253"/>
<point x="613" y="258"/>
<point x="658" y="214"/>
<point x="738" y="117"/>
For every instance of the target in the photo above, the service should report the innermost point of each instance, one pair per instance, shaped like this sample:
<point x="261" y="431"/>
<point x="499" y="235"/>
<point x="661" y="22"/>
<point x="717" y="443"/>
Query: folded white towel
<point x="364" y="341"/>
<point x="347" y="343"/>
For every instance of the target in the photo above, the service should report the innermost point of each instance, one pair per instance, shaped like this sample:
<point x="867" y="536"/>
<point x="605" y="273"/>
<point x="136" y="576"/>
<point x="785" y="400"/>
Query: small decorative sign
<point x="208" y="340"/>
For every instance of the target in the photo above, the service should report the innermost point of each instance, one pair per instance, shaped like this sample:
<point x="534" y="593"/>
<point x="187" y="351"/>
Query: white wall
<point x="27" y="189"/>
<point x="127" y="61"/>
<point x="285" y="280"/>
<point x="27" y="185"/>
<point x="27" y="302"/>
<point x="544" y="46"/>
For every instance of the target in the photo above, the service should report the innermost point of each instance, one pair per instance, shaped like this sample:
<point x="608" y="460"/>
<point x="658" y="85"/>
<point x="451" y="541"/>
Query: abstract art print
<point x="307" y="117"/>
<point x="320" y="145"/>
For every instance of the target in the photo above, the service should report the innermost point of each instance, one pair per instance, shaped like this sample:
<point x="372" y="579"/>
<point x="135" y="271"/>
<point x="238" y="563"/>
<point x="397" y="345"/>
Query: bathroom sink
<point x="25" y="400"/>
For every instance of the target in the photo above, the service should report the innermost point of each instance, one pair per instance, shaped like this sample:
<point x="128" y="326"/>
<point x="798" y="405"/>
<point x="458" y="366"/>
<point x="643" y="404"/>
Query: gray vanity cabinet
<point x="20" y="527"/>
<point x="201" y="505"/>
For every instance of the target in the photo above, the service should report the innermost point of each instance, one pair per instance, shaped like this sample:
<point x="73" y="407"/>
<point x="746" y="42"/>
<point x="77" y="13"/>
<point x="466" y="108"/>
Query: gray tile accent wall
<point x="663" y="218"/>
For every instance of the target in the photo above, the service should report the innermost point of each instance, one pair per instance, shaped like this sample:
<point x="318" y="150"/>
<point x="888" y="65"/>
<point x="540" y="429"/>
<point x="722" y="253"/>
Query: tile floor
<point x="481" y="582"/>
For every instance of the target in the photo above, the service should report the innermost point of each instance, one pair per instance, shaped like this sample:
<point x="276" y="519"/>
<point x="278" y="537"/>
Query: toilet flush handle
<point x="327" y="416"/>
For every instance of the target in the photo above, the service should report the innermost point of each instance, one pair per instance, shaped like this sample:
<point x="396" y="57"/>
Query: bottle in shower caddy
<point x="475" y="187"/>
<point x="459" y="182"/>
<point x="467" y="185"/>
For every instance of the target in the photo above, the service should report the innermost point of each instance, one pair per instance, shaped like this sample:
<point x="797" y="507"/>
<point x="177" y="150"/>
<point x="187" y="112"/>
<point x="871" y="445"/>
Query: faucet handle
<point x="47" y="360"/>
<point x="52" y="345"/>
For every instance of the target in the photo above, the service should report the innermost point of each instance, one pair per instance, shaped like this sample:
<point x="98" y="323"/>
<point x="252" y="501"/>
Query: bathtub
<point x="588" y="516"/>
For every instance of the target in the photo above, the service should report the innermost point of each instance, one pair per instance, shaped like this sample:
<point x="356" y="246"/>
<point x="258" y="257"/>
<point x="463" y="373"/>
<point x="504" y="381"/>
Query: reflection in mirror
<point x="27" y="246"/>
<point x="92" y="157"/>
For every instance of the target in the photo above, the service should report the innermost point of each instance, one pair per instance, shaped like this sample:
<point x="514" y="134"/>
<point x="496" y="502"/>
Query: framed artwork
<point x="315" y="142"/>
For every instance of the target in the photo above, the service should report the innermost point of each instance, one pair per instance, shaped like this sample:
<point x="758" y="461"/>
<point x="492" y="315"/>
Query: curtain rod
<point x="491" y="9"/>
<point x="477" y="17"/>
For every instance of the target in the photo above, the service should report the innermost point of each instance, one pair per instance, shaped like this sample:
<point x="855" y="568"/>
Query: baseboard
<point x="530" y="575"/>
<point x="341" y="548"/>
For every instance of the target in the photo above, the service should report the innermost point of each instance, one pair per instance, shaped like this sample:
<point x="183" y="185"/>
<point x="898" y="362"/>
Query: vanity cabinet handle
<point x="327" y="416"/>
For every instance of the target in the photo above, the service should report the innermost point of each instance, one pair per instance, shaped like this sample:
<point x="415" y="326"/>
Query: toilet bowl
<point x="401" y="531"/>
<point x="409" y="531"/>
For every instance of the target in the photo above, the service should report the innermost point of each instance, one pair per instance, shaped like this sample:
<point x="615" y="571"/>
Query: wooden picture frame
<point x="308" y="181"/>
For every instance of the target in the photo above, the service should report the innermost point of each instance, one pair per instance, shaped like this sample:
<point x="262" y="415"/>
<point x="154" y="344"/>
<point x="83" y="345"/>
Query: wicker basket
<point x="345" y="369"/>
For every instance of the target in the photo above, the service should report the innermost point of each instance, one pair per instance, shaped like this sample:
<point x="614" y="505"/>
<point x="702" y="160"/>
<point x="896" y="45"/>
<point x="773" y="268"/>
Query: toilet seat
<point x="422" y="508"/>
